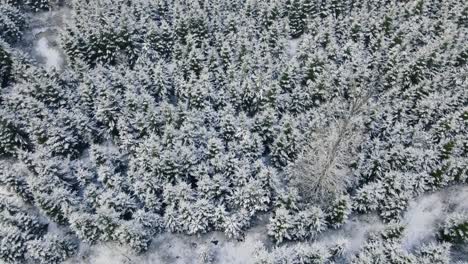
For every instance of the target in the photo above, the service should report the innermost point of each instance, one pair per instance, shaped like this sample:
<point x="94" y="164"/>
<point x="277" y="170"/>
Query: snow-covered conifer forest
<point x="234" y="131"/>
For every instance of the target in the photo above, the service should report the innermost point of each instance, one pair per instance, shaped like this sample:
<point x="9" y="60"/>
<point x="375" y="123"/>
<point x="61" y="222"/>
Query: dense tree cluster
<point x="454" y="229"/>
<point x="384" y="247"/>
<point x="199" y="116"/>
<point x="12" y="23"/>
<point x="25" y="237"/>
<point x="33" y="5"/>
<point x="380" y="247"/>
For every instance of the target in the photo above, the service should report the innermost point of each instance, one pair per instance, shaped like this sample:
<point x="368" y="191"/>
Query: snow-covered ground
<point x="51" y="56"/>
<point x="421" y="220"/>
<point x="42" y="37"/>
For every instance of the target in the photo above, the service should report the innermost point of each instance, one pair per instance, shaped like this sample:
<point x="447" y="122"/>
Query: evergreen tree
<point x="454" y="229"/>
<point x="11" y="178"/>
<point x="12" y="23"/>
<point x="308" y="223"/>
<point x="12" y="245"/>
<point x="163" y="40"/>
<point x="39" y="5"/>
<point x="296" y="18"/>
<point x="285" y="148"/>
<point x="236" y="224"/>
<point x="6" y="67"/>
<point x="340" y="210"/>
<point x="435" y="253"/>
<point x="12" y="137"/>
<point x="280" y="226"/>
<point x="84" y="225"/>
<point x="133" y="235"/>
<point x="51" y="249"/>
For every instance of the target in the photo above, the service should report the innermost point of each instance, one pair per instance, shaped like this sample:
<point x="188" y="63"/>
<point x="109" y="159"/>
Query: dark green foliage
<point x="85" y="227"/>
<point x="39" y="5"/>
<point x="454" y="229"/>
<point x="462" y="58"/>
<point x="133" y="236"/>
<point x="12" y="138"/>
<point x="162" y="40"/>
<point x="103" y="48"/>
<point x="393" y="232"/>
<point x="52" y="249"/>
<point x="314" y="68"/>
<point x="6" y="68"/>
<point x="29" y="225"/>
<point x="292" y="225"/>
<point x="34" y="5"/>
<point x="339" y="212"/>
<point x="12" y="178"/>
<point x="436" y="253"/>
<point x="12" y="246"/>
<point x="12" y="23"/>
<point x="284" y="149"/>
<point x="384" y="248"/>
<point x="297" y="17"/>
<point x="67" y="138"/>
<point x="17" y="228"/>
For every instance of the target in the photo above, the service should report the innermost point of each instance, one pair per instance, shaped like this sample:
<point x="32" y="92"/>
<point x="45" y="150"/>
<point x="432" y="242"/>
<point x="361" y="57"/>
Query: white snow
<point x="37" y="31"/>
<point x="51" y="55"/>
<point x="420" y="220"/>
<point x="293" y="45"/>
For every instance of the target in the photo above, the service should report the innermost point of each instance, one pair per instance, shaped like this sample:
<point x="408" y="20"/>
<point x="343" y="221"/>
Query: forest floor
<point x="41" y="39"/>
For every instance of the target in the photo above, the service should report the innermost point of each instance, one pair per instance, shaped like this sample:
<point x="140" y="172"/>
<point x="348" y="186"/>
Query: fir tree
<point x="6" y="67"/>
<point x="163" y="40"/>
<point x="12" y="245"/>
<point x="133" y="236"/>
<point x="12" y="23"/>
<point x="280" y="226"/>
<point x="454" y="229"/>
<point x="51" y="249"/>
<point x="340" y="211"/>
<point x="296" y="18"/>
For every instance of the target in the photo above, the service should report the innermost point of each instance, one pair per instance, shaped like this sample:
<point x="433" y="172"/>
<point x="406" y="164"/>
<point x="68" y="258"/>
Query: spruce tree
<point x="6" y="67"/>
<point x="12" y="24"/>
<point x="296" y="18"/>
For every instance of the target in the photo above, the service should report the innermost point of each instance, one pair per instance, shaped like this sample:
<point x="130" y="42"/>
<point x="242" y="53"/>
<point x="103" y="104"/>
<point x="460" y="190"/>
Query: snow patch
<point x="239" y="253"/>
<point x="51" y="56"/>
<point x="420" y="220"/>
<point x="293" y="45"/>
<point x="37" y="31"/>
<point x="357" y="230"/>
<point x="460" y="200"/>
